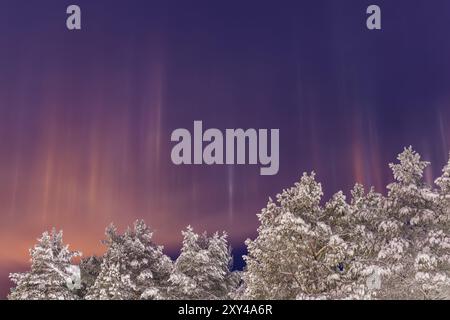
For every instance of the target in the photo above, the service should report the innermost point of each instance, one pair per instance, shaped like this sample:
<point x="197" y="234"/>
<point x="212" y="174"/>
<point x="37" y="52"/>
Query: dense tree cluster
<point x="393" y="247"/>
<point x="132" y="268"/>
<point x="372" y="246"/>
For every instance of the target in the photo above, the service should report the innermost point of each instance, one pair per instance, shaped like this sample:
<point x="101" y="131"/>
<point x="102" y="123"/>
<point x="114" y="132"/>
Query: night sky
<point x="86" y="116"/>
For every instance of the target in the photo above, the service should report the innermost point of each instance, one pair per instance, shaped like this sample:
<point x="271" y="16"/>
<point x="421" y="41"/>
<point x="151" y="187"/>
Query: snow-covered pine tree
<point x="90" y="269"/>
<point x="47" y="279"/>
<point x="443" y="182"/>
<point x="412" y="210"/>
<point x="297" y="254"/>
<point x="367" y="214"/>
<point x="443" y="194"/>
<point x="356" y="223"/>
<point x="133" y="267"/>
<point x="432" y="263"/>
<point x="112" y="284"/>
<point x="203" y="269"/>
<point x="410" y="200"/>
<point x="432" y="266"/>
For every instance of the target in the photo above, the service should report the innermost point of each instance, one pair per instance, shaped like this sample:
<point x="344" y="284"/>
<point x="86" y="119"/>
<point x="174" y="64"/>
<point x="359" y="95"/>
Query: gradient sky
<point x="86" y="116"/>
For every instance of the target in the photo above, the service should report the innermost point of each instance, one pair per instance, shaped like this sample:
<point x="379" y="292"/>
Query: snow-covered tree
<point x="432" y="266"/>
<point x="444" y="180"/>
<point x="133" y="267"/>
<point x="50" y="270"/>
<point x="90" y="269"/>
<point x="203" y="269"/>
<point x="356" y="223"/>
<point x="366" y="213"/>
<point x="410" y="200"/>
<point x="412" y="215"/>
<point x="297" y="254"/>
<point x="432" y="263"/>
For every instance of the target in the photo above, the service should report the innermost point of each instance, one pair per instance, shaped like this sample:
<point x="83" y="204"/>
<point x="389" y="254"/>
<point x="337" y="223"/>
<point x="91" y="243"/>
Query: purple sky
<point x="86" y="116"/>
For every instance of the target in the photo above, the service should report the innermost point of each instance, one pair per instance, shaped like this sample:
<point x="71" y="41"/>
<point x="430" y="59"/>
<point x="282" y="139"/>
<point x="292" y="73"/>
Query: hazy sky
<point x="86" y="116"/>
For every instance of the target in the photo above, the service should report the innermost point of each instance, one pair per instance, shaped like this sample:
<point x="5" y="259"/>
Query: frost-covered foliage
<point x="369" y="246"/>
<point x="133" y="267"/>
<point x="393" y="247"/>
<point x="414" y="257"/>
<point x="90" y="269"/>
<point x="203" y="269"/>
<point x="303" y="250"/>
<point x="50" y="271"/>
